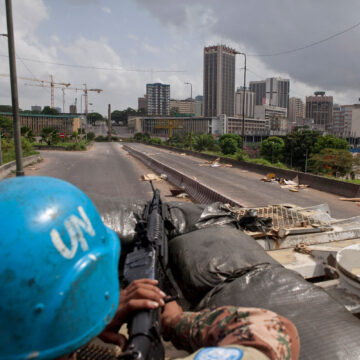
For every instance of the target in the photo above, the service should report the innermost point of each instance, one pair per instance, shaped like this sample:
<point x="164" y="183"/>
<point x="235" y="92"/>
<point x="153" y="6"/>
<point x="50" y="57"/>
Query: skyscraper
<point x="272" y="91"/>
<point x="259" y="88"/>
<point x="296" y="109"/>
<point x="158" y="99"/>
<point x="249" y="102"/>
<point x="219" y="80"/>
<point x="320" y="108"/>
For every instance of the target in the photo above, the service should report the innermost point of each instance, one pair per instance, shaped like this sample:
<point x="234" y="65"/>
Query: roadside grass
<point x="8" y="156"/>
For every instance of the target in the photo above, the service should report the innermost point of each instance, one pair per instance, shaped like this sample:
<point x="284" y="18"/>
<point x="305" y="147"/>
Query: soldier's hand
<point x="139" y="295"/>
<point x="168" y="317"/>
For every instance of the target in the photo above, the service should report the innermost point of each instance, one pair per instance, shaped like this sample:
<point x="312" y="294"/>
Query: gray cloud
<point x="263" y="26"/>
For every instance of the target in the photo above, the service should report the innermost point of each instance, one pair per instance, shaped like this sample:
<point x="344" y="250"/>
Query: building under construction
<point x="36" y="122"/>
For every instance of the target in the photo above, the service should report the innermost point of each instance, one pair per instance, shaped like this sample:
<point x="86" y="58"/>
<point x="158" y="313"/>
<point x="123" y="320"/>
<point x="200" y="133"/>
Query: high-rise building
<point x="158" y="99"/>
<point x="259" y="88"/>
<point x="142" y="103"/>
<point x="320" y="108"/>
<point x="338" y="128"/>
<point x="249" y="102"/>
<point x="219" y="80"/>
<point x="272" y="91"/>
<point x="296" y="109"/>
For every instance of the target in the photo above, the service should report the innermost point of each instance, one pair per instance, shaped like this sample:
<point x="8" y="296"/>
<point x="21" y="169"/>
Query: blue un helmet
<point x="58" y="269"/>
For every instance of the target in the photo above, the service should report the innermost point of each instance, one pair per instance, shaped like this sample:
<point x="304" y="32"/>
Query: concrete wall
<point x="332" y="186"/>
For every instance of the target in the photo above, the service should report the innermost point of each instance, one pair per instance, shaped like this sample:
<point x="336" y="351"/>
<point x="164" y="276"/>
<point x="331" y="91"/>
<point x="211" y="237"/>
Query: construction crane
<point x="85" y="90"/>
<point x="43" y="82"/>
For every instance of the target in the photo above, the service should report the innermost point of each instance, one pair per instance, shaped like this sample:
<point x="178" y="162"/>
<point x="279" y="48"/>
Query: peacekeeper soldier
<point x="59" y="286"/>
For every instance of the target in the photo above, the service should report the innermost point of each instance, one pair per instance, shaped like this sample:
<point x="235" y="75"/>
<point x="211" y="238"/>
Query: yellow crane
<point x="43" y="82"/>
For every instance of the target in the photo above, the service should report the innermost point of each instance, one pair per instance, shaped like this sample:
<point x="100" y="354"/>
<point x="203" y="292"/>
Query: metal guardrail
<point x="198" y="191"/>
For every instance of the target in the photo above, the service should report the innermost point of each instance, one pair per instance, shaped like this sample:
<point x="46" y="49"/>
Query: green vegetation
<point x="121" y="116"/>
<point x="324" y="155"/>
<point x="49" y="111"/>
<point x="272" y="149"/>
<point x="8" y="149"/>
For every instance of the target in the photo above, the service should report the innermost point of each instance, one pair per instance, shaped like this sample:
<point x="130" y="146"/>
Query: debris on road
<point x="163" y="176"/>
<point x="350" y="199"/>
<point x="182" y="154"/>
<point x="215" y="163"/>
<point x="291" y="185"/>
<point x="150" y="177"/>
<point x="182" y="195"/>
<point x="175" y="192"/>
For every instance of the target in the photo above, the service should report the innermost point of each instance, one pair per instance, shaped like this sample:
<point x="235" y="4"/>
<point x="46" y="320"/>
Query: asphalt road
<point x="105" y="173"/>
<point x="246" y="187"/>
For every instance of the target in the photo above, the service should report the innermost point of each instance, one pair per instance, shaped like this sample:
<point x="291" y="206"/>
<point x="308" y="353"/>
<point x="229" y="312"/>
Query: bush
<point x="331" y="162"/>
<point x="155" y="141"/>
<point x="100" y="138"/>
<point x="241" y="155"/>
<point x="272" y="149"/>
<point x="90" y="136"/>
<point x="228" y="146"/>
<point x="204" y="142"/>
<point x="236" y="137"/>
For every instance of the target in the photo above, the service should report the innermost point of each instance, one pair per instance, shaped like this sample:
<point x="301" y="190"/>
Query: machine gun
<point x="149" y="259"/>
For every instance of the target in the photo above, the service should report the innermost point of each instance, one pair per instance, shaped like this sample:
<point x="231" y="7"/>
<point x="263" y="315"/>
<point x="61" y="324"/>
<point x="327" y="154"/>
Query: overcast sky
<point x="145" y="41"/>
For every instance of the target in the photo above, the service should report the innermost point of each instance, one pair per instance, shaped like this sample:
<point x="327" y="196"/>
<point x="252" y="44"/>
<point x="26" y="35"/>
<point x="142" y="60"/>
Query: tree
<point x="229" y="146"/>
<point x="298" y="145"/>
<point x="236" y="137"/>
<point x="6" y="126"/>
<point x="331" y="162"/>
<point x="93" y="117"/>
<point x="174" y="110"/>
<point x="27" y="133"/>
<point x="204" y="142"/>
<point x="49" y="111"/>
<point x="6" y="108"/>
<point x="329" y="142"/>
<point x="122" y="115"/>
<point x="142" y="112"/>
<point x="272" y="149"/>
<point x="49" y="135"/>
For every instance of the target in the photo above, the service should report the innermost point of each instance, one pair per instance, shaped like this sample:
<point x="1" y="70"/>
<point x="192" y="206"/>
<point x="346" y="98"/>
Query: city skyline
<point x="146" y="46"/>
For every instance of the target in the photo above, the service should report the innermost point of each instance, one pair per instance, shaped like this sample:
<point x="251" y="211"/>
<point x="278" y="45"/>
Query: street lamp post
<point x="187" y="83"/>
<point x="243" y="102"/>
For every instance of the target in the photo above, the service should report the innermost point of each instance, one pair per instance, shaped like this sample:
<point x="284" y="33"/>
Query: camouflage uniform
<point x="271" y="334"/>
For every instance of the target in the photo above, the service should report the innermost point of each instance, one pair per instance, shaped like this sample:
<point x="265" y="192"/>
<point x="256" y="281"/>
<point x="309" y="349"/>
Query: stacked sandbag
<point x="202" y="259"/>
<point x="327" y="330"/>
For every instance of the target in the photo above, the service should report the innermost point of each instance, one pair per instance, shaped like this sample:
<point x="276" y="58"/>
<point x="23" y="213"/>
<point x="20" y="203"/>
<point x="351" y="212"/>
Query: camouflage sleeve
<point x="264" y="330"/>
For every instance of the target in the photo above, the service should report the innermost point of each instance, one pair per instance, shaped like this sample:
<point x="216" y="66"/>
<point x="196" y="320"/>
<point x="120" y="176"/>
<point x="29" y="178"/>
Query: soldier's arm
<point x="273" y="335"/>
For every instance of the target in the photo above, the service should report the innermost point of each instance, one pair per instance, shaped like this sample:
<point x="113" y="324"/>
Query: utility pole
<point x="243" y="100"/>
<point x="109" y="122"/>
<point x="14" y="90"/>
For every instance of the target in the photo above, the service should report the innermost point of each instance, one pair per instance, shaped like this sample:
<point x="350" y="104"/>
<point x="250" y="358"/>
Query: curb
<point x="198" y="191"/>
<point x="8" y="167"/>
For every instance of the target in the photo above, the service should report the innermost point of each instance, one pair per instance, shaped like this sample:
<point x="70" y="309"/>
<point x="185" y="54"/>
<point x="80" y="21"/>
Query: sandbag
<point x="202" y="259"/>
<point x="184" y="216"/>
<point x="327" y="330"/>
<point x="122" y="217"/>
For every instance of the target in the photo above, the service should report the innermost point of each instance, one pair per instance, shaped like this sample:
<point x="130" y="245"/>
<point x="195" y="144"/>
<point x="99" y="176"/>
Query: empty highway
<point x="246" y="187"/>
